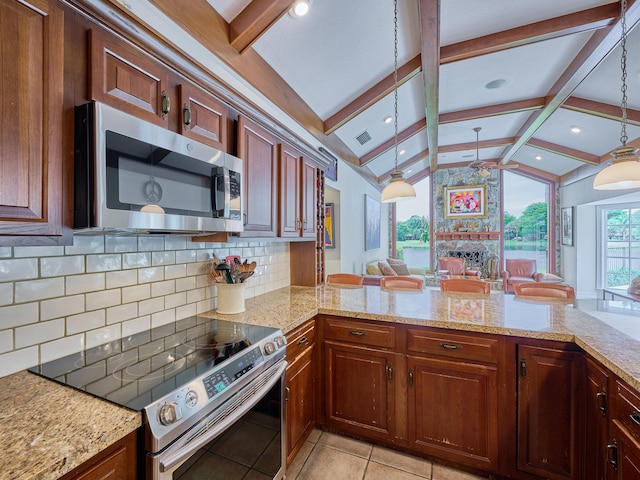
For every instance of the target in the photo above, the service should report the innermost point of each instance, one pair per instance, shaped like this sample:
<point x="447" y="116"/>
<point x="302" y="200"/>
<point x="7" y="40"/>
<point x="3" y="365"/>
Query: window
<point x="412" y="227"/>
<point x="620" y="245"/>
<point x="526" y="213"/>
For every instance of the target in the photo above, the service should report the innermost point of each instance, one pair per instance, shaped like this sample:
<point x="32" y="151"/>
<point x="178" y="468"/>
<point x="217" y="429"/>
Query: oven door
<point x="245" y="434"/>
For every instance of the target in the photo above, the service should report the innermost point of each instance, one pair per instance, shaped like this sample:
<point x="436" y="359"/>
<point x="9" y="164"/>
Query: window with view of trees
<point x="621" y="246"/>
<point x="412" y="228"/>
<point x="526" y="213"/>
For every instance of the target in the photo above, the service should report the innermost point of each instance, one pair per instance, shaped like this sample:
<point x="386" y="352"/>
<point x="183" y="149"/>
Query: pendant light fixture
<point x="624" y="171"/>
<point x="397" y="189"/>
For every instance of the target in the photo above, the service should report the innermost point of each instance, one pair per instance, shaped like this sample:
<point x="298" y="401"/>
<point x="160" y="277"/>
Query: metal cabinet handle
<point x="287" y="392"/>
<point x="390" y="372"/>
<point x="601" y="402"/>
<point x="186" y="115"/>
<point x="244" y="219"/>
<point x="612" y="448"/>
<point x="302" y="340"/>
<point x="166" y="105"/>
<point x="523" y="367"/>
<point x="411" y="377"/>
<point x="450" y="346"/>
<point x="635" y="418"/>
<point x="357" y="333"/>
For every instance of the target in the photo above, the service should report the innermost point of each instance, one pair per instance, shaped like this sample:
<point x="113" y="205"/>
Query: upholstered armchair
<point x="519" y="270"/>
<point x="454" y="266"/>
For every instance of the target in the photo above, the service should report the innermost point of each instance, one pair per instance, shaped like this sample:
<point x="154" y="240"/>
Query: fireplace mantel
<point x="467" y="235"/>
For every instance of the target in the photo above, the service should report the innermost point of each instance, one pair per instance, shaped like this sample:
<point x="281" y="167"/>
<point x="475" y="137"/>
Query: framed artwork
<point x="329" y="231"/>
<point x="371" y="223"/>
<point x="465" y="202"/>
<point x="567" y="226"/>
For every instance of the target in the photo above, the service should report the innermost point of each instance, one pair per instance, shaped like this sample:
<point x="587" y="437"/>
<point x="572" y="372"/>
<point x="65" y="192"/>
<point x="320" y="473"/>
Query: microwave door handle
<point x="215" y="192"/>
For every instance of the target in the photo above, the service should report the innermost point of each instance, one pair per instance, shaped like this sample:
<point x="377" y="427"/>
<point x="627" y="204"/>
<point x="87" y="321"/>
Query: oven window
<point x="251" y="448"/>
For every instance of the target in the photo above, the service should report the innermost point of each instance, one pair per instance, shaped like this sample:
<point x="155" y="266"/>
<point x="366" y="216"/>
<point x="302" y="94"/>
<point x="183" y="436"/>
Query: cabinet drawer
<point x="627" y="409"/>
<point x="360" y="332"/>
<point x="300" y="339"/>
<point x="445" y="344"/>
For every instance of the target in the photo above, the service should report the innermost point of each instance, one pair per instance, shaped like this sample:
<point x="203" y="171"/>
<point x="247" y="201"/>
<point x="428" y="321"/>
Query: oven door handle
<point x="188" y="449"/>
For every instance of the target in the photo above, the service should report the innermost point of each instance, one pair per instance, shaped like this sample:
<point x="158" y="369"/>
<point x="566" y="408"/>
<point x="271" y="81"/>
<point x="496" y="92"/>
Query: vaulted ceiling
<point x="556" y="66"/>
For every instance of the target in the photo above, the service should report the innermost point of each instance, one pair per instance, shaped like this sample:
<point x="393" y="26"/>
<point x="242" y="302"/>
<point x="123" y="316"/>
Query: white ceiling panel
<point x="492" y="127"/>
<point x="412" y="146"/>
<point x="228" y="9"/>
<point x="550" y="162"/>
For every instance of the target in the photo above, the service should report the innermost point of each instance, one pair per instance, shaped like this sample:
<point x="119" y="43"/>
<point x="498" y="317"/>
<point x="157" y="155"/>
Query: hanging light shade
<point x="397" y="189"/>
<point x="624" y="171"/>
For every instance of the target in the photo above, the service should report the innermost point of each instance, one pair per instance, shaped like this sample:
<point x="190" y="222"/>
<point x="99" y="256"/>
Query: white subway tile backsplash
<point x="58" y="266"/>
<point x="21" y="269"/>
<point x="5" y="252"/>
<point x="40" y="332"/>
<point x="175" y="300"/>
<point x="163" y="318"/>
<point x="120" y="244"/>
<point x="183" y="284"/>
<point x="121" y="278"/>
<point x="163" y="288"/>
<point x="153" y="305"/>
<point x="104" y="263"/>
<point x="85" y="283"/>
<point x="17" y="360"/>
<point x="136" y="293"/>
<point x="103" y="335"/>
<point x="137" y="325"/>
<point x="196" y="295"/>
<point x="16" y="315"/>
<point x="6" y="341"/>
<point x="186" y="311"/>
<point x="85" y="244"/>
<point x="6" y="293"/>
<point x="185" y="256"/>
<point x="151" y="274"/>
<point x="61" y="307"/>
<point x="163" y="258"/>
<point x="85" y="321"/>
<point x="175" y="271"/>
<point x="38" y="289"/>
<point x="103" y="299"/>
<point x="59" y="348"/>
<point x="122" y="313"/>
<point x="20" y="252"/>
<point x="136" y="260"/>
<point x="150" y="244"/>
<point x="175" y="242"/>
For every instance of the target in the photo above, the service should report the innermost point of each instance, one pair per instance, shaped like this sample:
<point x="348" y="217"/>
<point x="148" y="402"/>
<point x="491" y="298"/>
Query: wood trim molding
<point x="564" y="151"/>
<point x="491" y="110"/>
<point x="602" y="110"/>
<point x="254" y="20"/>
<point x="389" y="144"/>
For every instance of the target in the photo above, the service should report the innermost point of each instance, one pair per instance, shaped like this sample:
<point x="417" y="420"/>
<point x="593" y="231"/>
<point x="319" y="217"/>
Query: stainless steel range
<point x="211" y="393"/>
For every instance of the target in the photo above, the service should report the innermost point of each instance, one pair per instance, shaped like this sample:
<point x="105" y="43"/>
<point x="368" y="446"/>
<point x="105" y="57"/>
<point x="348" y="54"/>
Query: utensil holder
<point x="230" y="298"/>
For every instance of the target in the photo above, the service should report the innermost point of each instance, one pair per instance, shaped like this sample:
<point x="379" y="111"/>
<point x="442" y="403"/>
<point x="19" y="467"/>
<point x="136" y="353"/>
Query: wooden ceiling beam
<point x="564" y="151"/>
<point x="602" y="110"/>
<point x="254" y="20"/>
<point x="404" y="165"/>
<point x="421" y="175"/>
<point x="537" y="173"/>
<point x="380" y="90"/>
<point x="407" y="133"/>
<point x="592" y="54"/>
<point x="584" y="21"/>
<point x="492" y="110"/>
<point x="429" y="13"/>
<point x="460" y="147"/>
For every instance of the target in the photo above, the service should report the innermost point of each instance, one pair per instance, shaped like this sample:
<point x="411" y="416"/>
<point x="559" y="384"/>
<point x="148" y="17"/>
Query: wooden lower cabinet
<point x="117" y="462"/>
<point x="300" y="405"/>
<point x="622" y="454"/>
<point x="549" y="411"/>
<point x="359" y="390"/>
<point x="597" y="414"/>
<point x="453" y="411"/>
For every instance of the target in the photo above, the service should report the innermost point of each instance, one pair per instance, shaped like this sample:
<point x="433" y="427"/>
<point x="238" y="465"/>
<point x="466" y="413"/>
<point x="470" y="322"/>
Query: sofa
<point x="374" y="271"/>
<point x="454" y="267"/>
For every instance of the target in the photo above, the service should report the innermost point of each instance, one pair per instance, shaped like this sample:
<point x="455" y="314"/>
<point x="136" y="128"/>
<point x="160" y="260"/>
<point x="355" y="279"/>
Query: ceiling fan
<point x="484" y="167"/>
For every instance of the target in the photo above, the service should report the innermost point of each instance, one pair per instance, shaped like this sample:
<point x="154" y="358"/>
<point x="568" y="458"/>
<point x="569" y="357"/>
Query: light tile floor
<point x="329" y="456"/>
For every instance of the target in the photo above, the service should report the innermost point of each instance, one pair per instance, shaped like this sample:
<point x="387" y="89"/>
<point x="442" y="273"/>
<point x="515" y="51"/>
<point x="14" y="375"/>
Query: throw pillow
<point x="634" y="287"/>
<point x="386" y="269"/>
<point x="398" y="266"/>
<point x="550" y="277"/>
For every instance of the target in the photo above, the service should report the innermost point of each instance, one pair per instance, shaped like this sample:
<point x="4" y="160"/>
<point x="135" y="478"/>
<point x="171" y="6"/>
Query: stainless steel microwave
<point x="132" y="176"/>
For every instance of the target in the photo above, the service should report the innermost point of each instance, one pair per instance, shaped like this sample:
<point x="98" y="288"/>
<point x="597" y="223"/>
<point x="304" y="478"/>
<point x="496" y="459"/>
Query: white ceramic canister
<point x="230" y="298"/>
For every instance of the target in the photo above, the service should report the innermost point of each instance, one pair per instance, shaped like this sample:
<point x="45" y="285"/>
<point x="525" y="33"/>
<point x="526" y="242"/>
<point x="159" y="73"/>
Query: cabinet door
<point x="549" y="412"/>
<point x="453" y="411"/>
<point x="122" y="77"/>
<point x="289" y="223"/>
<point x="597" y="417"/>
<point x="31" y="92"/>
<point x="623" y="454"/>
<point x="359" y="390"/>
<point x="300" y="401"/>
<point x="309" y="201"/>
<point x="202" y="117"/>
<point x="257" y="148"/>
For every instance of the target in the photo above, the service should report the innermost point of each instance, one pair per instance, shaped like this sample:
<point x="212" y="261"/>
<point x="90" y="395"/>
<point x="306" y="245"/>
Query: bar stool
<point x="464" y="285"/>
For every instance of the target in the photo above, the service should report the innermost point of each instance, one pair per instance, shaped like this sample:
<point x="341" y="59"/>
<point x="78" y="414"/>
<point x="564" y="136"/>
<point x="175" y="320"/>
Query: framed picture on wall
<point x="371" y="223"/>
<point x="329" y="229"/>
<point x="465" y="202"/>
<point x="567" y="226"/>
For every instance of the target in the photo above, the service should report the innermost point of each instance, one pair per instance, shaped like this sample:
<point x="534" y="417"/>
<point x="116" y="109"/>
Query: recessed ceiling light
<point x="388" y="119"/>
<point x="576" y="129"/>
<point x="538" y="157"/>
<point x="300" y="8"/>
<point x="402" y="152"/>
<point x="497" y="83"/>
<point x="408" y="171"/>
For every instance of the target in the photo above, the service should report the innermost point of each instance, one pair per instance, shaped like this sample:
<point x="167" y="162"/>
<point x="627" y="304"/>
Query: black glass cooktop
<point x="139" y="369"/>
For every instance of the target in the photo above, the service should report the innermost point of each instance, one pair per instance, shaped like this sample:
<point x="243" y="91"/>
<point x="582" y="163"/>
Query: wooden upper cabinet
<point x="31" y="92"/>
<point x="202" y="117"/>
<point x="298" y="194"/>
<point x="122" y="77"/>
<point x="258" y="149"/>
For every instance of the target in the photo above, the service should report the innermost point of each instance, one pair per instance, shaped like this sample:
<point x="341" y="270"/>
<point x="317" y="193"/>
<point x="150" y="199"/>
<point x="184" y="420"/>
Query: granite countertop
<point x="47" y="429"/>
